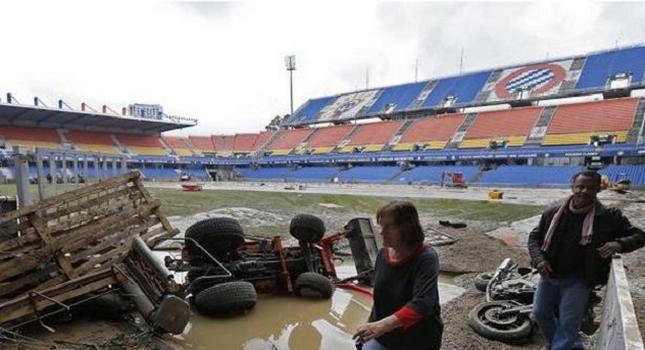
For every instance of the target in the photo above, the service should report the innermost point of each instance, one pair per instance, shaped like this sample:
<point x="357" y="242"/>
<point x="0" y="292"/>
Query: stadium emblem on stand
<point x="539" y="79"/>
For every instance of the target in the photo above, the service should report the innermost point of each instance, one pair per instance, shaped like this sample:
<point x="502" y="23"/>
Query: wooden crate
<point x="63" y="239"/>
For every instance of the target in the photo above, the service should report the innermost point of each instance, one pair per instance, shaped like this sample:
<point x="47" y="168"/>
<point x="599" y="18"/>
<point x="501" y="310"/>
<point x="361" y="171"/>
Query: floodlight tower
<point x="290" y="64"/>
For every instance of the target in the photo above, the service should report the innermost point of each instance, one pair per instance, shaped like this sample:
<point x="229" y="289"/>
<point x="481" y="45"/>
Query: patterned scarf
<point x="587" y="225"/>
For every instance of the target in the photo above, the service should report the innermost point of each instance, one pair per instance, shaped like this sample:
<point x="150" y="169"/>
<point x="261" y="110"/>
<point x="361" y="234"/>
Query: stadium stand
<point x="318" y="174"/>
<point x="463" y="89"/>
<point x="142" y="144"/>
<point x="244" y="143"/>
<point x="372" y="137"/>
<point x="179" y="145"/>
<point x="511" y="126"/>
<point x="533" y="176"/>
<point x="286" y="140"/>
<point x="324" y="140"/>
<point x="369" y="174"/>
<point x="600" y="67"/>
<point x="30" y="137"/>
<point x="202" y="145"/>
<point x="432" y="174"/>
<point x="396" y="98"/>
<point x="429" y="133"/>
<point x="91" y="141"/>
<point x="267" y="174"/>
<point x="635" y="173"/>
<point x="576" y="123"/>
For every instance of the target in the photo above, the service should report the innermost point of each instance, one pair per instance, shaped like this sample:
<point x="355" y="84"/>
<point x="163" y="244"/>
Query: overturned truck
<point x="68" y="249"/>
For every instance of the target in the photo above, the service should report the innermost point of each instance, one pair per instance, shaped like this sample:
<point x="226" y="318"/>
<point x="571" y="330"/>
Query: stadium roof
<point x="35" y="116"/>
<point x="577" y="75"/>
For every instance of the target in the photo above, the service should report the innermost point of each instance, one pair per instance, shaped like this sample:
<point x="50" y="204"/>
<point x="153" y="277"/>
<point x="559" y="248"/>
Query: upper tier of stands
<point x="30" y="137"/>
<point x="202" y="144"/>
<point x="90" y="141"/>
<point x="513" y="125"/>
<point x="179" y="145"/>
<point x="286" y="140"/>
<point x="433" y="133"/>
<point x="142" y="144"/>
<point x="567" y="76"/>
<point x="373" y="136"/>
<point x="326" y="139"/>
<point x="575" y="123"/>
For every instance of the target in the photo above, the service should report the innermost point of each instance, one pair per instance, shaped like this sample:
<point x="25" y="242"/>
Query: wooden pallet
<point x="64" y="239"/>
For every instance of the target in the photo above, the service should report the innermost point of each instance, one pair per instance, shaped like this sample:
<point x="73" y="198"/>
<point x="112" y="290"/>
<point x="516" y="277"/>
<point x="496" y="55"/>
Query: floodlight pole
<point x="290" y="64"/>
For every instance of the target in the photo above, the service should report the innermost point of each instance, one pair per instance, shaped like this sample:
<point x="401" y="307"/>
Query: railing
<point x="619" y="326"/>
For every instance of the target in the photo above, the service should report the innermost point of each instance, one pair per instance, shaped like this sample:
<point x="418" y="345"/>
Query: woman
<point x="406" y="314"/>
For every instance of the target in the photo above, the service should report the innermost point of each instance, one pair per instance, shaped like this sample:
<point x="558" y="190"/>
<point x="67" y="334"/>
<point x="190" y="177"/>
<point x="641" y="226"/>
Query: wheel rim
<point x="491" y="317"/>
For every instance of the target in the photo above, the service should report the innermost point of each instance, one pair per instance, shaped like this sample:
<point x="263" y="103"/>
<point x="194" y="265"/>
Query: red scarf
<point x="587" y="225"/>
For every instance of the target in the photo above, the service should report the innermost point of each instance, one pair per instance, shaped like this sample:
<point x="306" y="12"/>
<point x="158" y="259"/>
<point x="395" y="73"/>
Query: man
<point x="572" y="248"/>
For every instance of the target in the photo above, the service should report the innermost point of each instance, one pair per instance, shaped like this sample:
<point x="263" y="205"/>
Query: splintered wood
<point x="66" y="246"/>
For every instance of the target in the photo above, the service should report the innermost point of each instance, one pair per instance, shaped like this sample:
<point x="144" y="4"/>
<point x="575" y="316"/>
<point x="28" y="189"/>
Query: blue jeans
<point x="374" y="345"/>
<point x="558" y="308"/>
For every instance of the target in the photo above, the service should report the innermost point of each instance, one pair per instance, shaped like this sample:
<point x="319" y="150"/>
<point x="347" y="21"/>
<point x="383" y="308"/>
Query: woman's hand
<point x="376" y="329"/>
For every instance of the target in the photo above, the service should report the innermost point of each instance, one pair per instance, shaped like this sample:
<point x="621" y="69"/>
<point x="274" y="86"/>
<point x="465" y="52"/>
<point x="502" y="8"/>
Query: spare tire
<point x="307" y="228"/>
<point x="215" y="235"/>
<point x="482" y="279"/>
<point x="226" y="298"/>
<point x="312" y="284"/>
<point x="485" y="321"/>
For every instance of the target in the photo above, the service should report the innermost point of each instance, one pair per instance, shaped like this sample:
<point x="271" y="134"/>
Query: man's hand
<point x="610" y="248"/>
<point x="544" y="268"/>
<point x="376" y="329"/>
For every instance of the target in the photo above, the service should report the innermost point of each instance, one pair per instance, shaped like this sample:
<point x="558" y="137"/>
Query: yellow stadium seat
<point x="322" y="150"/>
<point x="34" y="144"/>
<point x="436" y="144"/>
<point x="147" y="151"/>
<point x="403" y="147"/>
<point x="280" y="152"/>
<point x="580" y="138"/>
<point x="373" y="147"/>
<point x="346" y="149"/>
<point x="475" y="143"/>
<point x="183" y="152"/>
<point x="515" y="141"/>
<point x="97" y="148"/>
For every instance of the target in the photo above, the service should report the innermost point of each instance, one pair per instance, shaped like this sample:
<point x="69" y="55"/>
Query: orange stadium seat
<point x="432" y="133"/>
<point x="179" y="145"/>
<point x="511" y="125"/>
<point x="30" y="137"/>
<point x="90" y="141"/>
<point x="325" y="139"/>
<point x="244" y="143"/>
<point x="576" y="123"/>
<point x="372" y="137"/>
<point x="287" y="140"/>
<point x="146" y="145"/>
<point x="202" y="144"/>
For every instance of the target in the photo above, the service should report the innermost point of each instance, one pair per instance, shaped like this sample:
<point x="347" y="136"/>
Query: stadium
<point x="532" y="125"/>
<point x="452" y="144"/>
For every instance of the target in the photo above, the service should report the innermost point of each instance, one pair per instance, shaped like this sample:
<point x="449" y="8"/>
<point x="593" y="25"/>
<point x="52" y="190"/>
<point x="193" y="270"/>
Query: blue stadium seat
<point x="464" y="88"/>
<point x="370" y="174"/>
<point x="309" y="111"/>
<point x="432" y="174"/>
<point x="533" y="176"/>
<point x="313" y="174"/>
<point x="268" y="174"/>
<point x="636" y="173"/>
<point x="400" y="97"/>
<point x="598" y="68"/>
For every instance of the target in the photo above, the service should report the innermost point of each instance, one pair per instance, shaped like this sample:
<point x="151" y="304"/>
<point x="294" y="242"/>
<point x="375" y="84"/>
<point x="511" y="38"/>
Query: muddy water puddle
<point x="283" y="323"/>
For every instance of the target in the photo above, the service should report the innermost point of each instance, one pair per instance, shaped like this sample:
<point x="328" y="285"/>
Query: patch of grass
<point x="176" y="202"/>
<point x="180" y="203"/>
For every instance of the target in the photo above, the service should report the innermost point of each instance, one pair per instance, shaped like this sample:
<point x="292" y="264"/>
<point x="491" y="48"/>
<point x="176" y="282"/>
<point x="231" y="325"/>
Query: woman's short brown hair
<point x="405" y="216"/>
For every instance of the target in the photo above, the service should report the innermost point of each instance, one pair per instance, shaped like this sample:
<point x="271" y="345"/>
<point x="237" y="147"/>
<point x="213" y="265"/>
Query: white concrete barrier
<point x="618" y="326"/>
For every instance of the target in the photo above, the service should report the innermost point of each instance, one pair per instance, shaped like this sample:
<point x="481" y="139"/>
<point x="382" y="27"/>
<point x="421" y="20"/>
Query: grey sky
<point x="223" y="62"/>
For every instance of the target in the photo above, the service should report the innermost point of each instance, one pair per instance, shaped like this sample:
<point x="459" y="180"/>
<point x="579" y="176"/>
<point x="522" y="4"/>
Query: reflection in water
<point x="283" y="323"/>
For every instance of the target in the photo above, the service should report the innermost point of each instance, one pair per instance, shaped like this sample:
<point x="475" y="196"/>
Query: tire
<point x="307" y="228"/>
<point x="483" y="321"/>
<point x="216" y="235"/>
<point x="481" y="280"/>
<point x="226" y="298"/>
<point x="314" y="284"/>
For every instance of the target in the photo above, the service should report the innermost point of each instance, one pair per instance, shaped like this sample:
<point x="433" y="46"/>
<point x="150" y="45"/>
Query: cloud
<point x="223" y="62"/>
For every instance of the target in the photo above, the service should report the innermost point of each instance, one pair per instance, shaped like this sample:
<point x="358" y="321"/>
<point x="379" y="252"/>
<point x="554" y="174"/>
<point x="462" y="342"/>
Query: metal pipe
<point x="22" y="178"/>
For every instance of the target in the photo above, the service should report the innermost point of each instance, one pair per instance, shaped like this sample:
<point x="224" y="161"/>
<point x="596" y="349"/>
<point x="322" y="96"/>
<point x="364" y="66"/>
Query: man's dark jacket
<point x="609" y="225"/>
